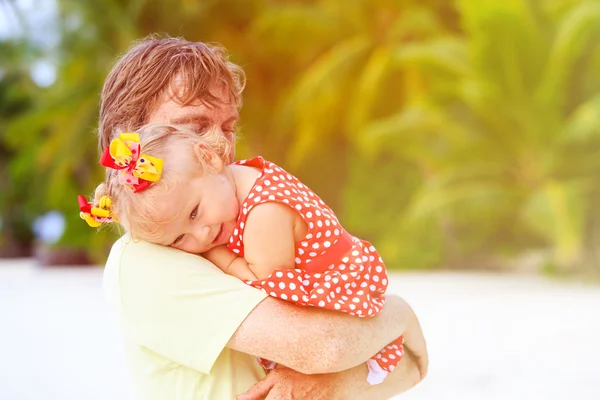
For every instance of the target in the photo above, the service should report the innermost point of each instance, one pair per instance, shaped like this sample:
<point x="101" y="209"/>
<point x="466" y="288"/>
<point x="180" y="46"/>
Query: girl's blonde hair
<point x="137" y="212"/>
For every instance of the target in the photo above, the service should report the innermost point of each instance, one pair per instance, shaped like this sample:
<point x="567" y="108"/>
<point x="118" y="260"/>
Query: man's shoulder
<point x="143" y="265"/>
<point x="131" y="253"/>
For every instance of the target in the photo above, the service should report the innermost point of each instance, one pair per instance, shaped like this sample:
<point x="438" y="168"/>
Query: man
<point x="191" y="331"/>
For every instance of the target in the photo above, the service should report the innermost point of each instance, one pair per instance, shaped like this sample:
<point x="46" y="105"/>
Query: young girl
<point x="252" y="219"/>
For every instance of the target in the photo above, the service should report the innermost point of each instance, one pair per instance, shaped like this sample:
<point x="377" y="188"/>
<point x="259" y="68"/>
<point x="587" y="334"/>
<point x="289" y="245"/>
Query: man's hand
<point x="286" y="384"/>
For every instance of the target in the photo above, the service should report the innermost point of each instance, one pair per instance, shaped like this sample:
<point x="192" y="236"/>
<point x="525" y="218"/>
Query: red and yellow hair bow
<point x="139" y="171"/>
<point x="95" y="214"/>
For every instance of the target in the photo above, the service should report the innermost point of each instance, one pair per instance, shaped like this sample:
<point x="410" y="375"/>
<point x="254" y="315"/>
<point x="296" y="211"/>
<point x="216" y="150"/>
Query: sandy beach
<point x="490" y="336"/>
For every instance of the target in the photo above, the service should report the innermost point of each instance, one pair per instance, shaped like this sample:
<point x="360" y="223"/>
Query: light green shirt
<point x="178" y="311"/>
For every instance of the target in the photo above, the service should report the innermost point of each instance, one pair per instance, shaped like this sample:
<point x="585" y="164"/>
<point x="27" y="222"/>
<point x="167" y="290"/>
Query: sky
<point x="36" y="20"/>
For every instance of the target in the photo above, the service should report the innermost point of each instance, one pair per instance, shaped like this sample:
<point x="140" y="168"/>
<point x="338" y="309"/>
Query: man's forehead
<point x="170" y="110"/>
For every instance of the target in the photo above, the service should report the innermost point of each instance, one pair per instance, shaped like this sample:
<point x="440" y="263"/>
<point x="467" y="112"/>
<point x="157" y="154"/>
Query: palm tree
<point x="514" y="159"/>
<point x="16" y="194"/>
<point x="344" y="74"/>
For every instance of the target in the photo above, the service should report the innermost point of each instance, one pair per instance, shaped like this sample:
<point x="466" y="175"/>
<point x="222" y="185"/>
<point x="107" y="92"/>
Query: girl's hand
<point x="229" y="263"/>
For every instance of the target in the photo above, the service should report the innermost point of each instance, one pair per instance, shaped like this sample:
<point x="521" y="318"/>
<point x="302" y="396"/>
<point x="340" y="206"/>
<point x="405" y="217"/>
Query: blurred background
<point x="456" y="135"/>
<point x="453" y="134"/>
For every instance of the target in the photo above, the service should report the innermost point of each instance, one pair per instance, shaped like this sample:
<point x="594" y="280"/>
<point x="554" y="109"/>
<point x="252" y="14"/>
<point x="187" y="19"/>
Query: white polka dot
<point x="273" y="294"/>
<point x="355" y="253"/>
<point x="294" y="297"/>
<point x="352" y="306"/>
<point x="271" y="197"/>
<point x="257" y="199"/>
<point x="336" y="232"/>
<point x="279" y="274"/>
<point x="375" y="278"/>
<point x="292" y="286"/>
<point x="300" y="251"/>
<point x="271" y="284"/>
<point x="242" y="225"/>
<point x="283" y="296"/>
<point x="384" y="282"/>
<point x="267" y="182"/>
<point x="318" y="213"/>
<point x="321" y="303"/>
<point x="337" y="306"/>
<point x="258" y="188"/>
<point x="315" y="245"/>
<point x="318" y="235"/>
<point x="236" y="250"/>
<point x="309" y="215"/>
<point x="298" y="207"/>
<point x="328" y="233"/>
<point x="378" y="268"/>
<point x="320" y="291"/>
<point x="297" y="260"/>
<point x="326" y="243"/>
<point x="281" y="285"/>
<point x="275" y="178"/>
<point x="251" y="195"/>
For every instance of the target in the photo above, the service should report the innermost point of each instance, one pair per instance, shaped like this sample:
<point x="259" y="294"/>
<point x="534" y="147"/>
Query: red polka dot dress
<point x="334" y="270"/>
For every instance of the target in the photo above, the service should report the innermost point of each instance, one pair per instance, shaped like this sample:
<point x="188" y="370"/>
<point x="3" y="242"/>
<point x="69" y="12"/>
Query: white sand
<point x="490" y="336"/>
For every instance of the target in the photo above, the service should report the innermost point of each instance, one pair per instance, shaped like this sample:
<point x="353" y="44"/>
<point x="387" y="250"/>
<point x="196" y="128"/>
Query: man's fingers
<point x="259" y="390"/>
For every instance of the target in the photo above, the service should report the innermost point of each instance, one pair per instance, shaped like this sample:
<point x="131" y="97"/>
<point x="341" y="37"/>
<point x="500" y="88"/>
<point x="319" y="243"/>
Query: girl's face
<point x="202" y="211"/>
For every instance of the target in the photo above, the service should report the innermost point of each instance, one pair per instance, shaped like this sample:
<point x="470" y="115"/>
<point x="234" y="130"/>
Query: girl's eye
<point x="194" y="213"/>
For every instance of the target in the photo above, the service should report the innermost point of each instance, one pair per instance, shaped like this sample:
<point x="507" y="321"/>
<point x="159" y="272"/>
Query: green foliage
<point x="449" y="134"/>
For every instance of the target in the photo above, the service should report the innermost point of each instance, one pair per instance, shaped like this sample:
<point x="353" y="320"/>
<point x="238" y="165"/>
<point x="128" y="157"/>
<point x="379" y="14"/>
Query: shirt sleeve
<point x="179" y="305"/>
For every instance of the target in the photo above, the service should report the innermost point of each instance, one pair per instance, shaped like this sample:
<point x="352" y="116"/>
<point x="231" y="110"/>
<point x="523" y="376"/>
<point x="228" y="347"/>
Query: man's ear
<point x="208" y="157"/>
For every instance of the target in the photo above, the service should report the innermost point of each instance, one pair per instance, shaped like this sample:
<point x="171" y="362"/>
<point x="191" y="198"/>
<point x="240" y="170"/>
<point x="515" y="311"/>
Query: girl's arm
<point x="229" y="263"/>
<point x="269" y="238"/>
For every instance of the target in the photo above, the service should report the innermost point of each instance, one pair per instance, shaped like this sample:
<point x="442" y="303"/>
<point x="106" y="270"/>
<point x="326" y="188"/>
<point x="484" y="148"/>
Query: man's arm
<point x="284" y="383"/>
<point x="312" y="340"/>
<point x="187" y="310"/>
